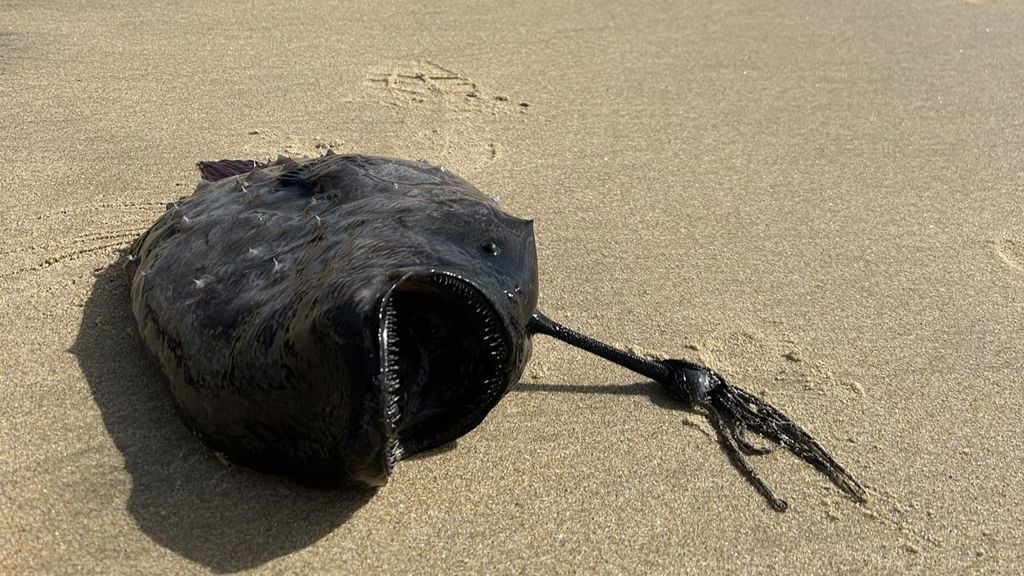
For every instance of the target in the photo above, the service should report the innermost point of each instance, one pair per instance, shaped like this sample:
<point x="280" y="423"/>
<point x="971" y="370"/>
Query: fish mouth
<point x="444" y="354"/>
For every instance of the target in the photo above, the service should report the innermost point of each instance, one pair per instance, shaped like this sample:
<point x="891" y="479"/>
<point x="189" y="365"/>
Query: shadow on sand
<point x="224" y="517"/>
<point x="652" y="390"/>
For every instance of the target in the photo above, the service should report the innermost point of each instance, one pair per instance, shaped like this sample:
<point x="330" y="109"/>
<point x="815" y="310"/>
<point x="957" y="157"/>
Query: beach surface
<point x="822" y="200"/>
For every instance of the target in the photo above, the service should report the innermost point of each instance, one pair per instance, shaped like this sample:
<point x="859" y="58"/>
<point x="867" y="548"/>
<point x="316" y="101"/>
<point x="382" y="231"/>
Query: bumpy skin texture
<point x="260" y="295"/>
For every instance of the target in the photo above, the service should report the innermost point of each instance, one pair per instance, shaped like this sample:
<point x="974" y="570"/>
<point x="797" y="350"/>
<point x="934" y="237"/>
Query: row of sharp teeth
<point x="391" y="382"/>
<point x="492" y="339"/>
<point x="492" y="334"/>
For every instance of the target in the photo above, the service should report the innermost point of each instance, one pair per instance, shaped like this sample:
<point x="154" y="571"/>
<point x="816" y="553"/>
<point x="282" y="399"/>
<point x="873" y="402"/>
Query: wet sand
<point x="825" y="202"/>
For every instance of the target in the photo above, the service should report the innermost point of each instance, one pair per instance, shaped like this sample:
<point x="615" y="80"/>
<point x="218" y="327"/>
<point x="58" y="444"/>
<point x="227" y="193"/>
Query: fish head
<point x="445" y="283"/>
<point x="452" y="331"/>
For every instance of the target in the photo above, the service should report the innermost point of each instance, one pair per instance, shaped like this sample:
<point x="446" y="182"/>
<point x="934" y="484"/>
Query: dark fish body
<point x="322" y="318"/>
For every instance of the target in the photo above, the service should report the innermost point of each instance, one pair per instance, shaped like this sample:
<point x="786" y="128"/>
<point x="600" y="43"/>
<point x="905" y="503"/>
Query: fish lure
<point x="325" y="318"/>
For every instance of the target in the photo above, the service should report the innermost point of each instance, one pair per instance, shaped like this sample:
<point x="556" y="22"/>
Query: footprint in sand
<point x="428" y="82"/>
<point x="1011" y="252"/>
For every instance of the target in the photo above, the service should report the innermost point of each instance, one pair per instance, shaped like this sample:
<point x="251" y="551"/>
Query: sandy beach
<point x="822" y="200"/>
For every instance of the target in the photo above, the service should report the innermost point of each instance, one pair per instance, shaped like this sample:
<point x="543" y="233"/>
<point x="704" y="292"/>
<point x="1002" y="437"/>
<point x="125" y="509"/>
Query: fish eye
<point x="491" y="249"/>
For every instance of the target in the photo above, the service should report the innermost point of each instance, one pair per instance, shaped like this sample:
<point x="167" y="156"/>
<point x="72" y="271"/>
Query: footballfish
<point x="324" y="318"/>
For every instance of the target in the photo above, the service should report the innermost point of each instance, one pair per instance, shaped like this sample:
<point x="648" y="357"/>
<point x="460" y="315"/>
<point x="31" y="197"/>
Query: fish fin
<point x="297" y="176"/>
<point x="305" y="175"/>
<point x="220" y="169"/>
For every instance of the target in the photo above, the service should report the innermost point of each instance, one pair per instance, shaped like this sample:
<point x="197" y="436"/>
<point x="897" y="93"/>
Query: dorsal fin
<point x="220" y="169"/>
<point x="297" y="176"/>
<point x="307" y="174"/>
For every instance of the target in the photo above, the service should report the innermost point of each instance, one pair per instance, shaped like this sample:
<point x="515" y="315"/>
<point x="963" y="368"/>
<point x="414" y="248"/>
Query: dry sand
<point x="824" y="201"/>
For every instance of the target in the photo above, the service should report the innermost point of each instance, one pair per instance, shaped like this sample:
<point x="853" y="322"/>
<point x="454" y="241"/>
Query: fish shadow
<point x="183" y="497"/>
<point x="655" y="392"/>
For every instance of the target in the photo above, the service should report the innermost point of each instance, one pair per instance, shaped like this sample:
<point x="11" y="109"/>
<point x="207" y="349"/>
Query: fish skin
<point x="260" y="296"/>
